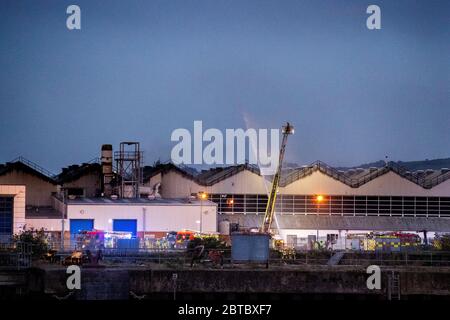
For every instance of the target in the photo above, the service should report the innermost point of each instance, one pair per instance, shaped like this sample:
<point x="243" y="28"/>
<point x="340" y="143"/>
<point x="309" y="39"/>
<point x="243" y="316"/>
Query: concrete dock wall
<point x="117" y="283"/>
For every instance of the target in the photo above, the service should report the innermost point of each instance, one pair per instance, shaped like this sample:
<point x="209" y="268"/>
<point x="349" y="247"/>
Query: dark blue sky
<point x="139" y="69"/>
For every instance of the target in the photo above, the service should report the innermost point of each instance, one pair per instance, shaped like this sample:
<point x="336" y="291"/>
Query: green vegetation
<point x="35" y="239"/>
<point x="210" y="242"/>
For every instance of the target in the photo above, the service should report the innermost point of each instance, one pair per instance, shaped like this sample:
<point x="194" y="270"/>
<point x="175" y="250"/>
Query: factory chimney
<point x="107" y="169"/>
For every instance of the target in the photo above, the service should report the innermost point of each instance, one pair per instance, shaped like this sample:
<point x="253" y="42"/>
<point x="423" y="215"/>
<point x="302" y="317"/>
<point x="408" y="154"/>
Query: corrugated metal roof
<point x="368" y="223"/>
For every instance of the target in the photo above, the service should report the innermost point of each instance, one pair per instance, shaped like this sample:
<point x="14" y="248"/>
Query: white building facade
<point x="389" y="198"/>
<point x="139" y="216"/>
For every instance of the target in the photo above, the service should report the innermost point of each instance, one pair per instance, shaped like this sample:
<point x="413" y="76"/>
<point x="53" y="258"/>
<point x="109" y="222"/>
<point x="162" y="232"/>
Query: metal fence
<point x="414" y="258"/>
<point x="17" y="255"/>
<point x="184" y="257"/>
<point x="299" y="258"/>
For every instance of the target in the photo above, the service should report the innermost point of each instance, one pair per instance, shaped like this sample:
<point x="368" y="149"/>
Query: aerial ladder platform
<point x="287" y="130"/>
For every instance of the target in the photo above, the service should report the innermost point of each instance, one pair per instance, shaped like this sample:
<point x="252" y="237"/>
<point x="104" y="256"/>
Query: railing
<point x="15" y="255"/>
<point x="403" y="258"/>
<point x="229" y="173"/>
<point x="58" y="204"/>
<point x="335" y="174"/>
<point x="18" y="255"/>
<point x="430" y="183"/>
<point x="323" y="167"/>
<point x="128" y="155"/>
<point x="318" y="165"/>
<point x="180" y="258"/>
<point x="359" y="181"/>
<point x="402" y="171"/>
<point x="35" y="166"/>
<point x="296" y="175"/>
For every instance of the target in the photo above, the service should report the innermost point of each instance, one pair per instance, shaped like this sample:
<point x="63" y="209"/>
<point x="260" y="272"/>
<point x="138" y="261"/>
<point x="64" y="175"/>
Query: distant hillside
<point x="434" y="164"/>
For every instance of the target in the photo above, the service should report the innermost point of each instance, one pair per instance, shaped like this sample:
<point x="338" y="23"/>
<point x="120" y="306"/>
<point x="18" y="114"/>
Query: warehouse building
<point x="75" y="200"/>
<point x="314" y="200"/>
<point x="319" y="200"/>
<point x="27" y="192"/>
<point x="142" y="216"/>
<point x="38" y="181"/>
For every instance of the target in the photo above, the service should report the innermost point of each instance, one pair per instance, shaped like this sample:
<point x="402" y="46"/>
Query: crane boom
<point x="270" y="208"/>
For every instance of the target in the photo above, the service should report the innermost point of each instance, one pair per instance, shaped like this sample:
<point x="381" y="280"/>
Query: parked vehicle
<point x="183" y="238"/>
<point x="171" y="238"/>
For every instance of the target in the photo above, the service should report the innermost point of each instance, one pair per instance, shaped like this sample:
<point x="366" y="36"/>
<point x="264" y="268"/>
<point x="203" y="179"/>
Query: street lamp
<point x="319" y="199"/>
<point x="63" y="216"/>
<point x="202" y="196"/>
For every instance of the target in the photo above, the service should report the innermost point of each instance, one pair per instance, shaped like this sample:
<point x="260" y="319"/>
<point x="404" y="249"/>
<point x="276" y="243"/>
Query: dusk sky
<point x="137" y="70"/>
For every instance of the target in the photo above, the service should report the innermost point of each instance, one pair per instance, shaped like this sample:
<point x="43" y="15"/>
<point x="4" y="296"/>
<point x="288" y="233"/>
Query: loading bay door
<point x="125" y="225"/>
<point x="77" y="225"/>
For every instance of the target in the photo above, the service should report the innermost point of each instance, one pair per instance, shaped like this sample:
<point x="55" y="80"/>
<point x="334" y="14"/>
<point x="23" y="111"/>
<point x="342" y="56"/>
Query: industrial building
<point x="95" y="195"/>
<point x="315" y="200"/>
<point x="141" y="217"/>
<point x="318" y="200"/>
<point x="39" y="182"/>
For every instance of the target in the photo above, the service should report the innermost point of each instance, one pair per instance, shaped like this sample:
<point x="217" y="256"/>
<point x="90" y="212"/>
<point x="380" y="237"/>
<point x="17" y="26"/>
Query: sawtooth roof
<point x="353" y="177"/>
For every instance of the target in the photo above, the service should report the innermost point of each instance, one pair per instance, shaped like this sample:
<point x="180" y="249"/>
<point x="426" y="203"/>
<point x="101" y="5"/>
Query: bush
<point x="210" y="242"/>
<point x="36" y="239"/>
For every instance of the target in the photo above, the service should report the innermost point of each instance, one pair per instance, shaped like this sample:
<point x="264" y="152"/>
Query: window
<point x="347" y="205"/>
<point x="421" y="206"/>
<point x="433" y="207"/>
<point x="360" y="205"/>
<point x="6" y="215"/>
<point x="287" y="202"/>
<point x="397" y="206"/>
<point x="385" y="206"/>
<point x="445" y="207"/>
<point x="251" y="203"/>
<point x="408" y="206"/>
<point x="336" y="205"/>
<point x="239" y="203"/>
<point x="299" y="204"/>
<point x="262" y="203"/>
<point x="79" y="192"/>
<point x="372" y="206"/>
